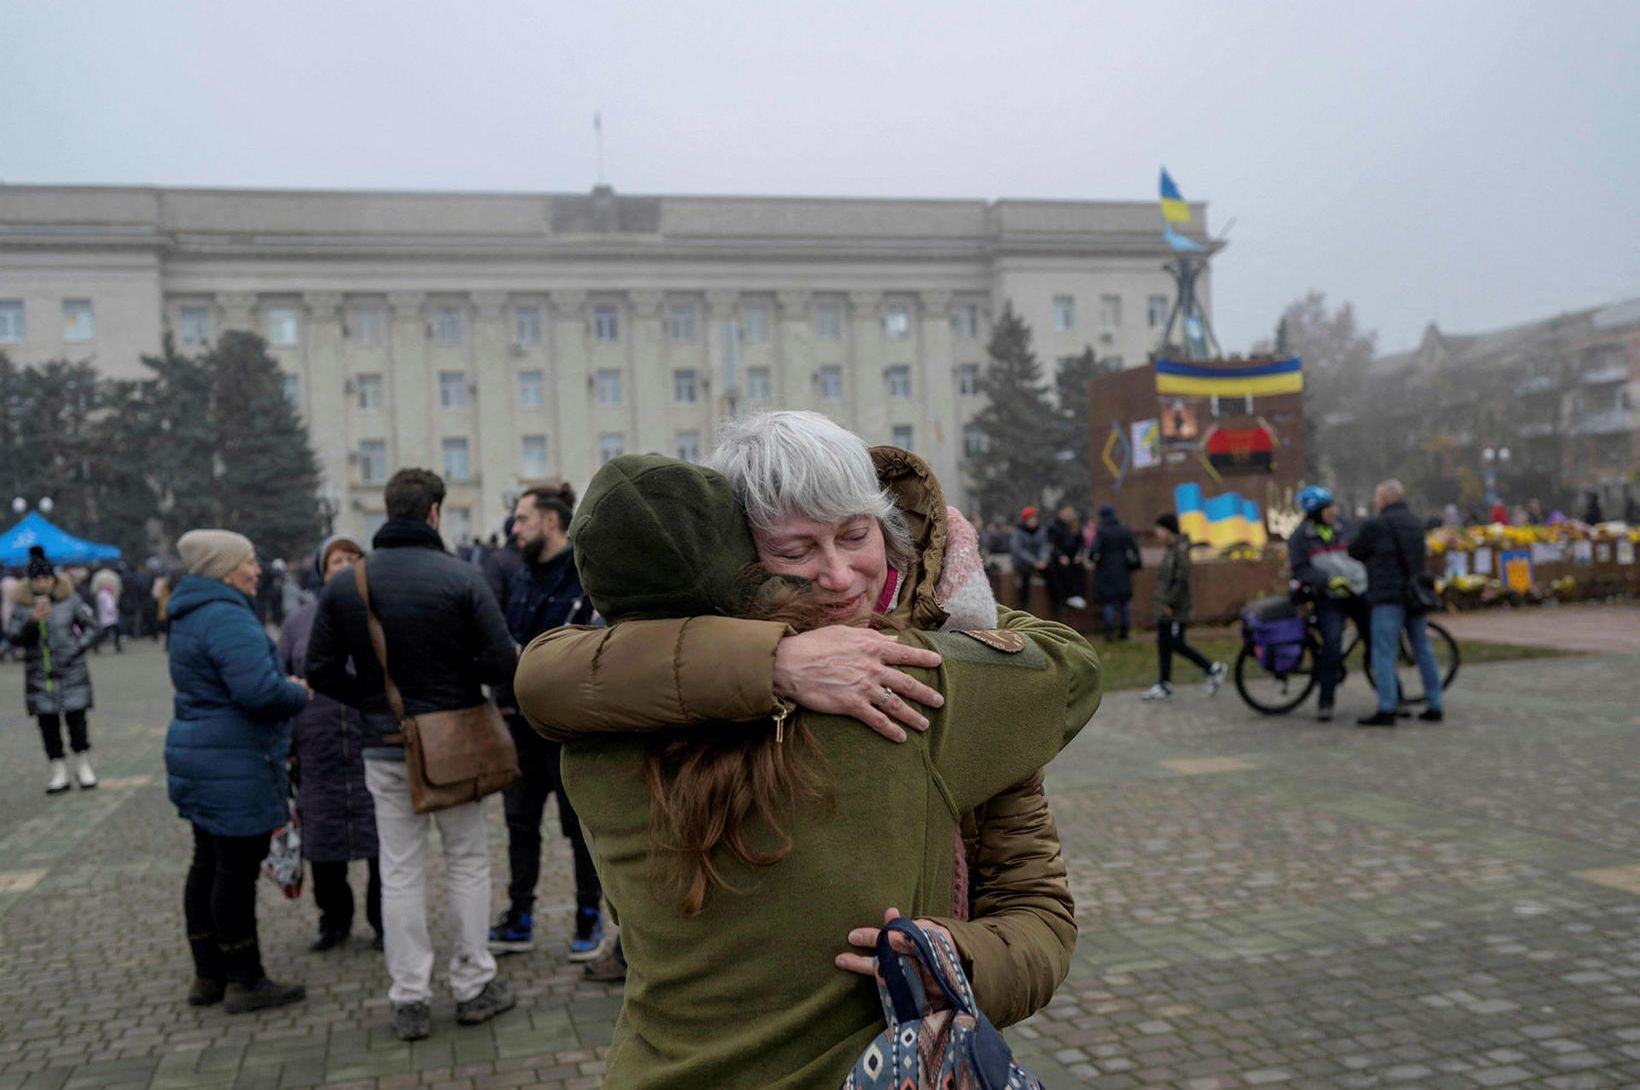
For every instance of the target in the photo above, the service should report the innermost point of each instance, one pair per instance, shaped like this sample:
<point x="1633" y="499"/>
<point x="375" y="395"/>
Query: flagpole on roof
<point x="598" y="133"/>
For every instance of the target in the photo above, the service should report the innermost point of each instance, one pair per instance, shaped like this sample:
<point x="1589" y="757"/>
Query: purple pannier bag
<point x="1279" y="643"/>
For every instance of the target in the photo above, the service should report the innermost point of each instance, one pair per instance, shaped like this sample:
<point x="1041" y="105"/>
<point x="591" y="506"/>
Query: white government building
<point x="504" y="338"/>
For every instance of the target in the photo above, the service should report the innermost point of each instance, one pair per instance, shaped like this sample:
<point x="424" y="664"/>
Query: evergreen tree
<point x="1075" y="440"/>
<point x="1020" y="463"/>
<point x="121" y="506"/>
<point x="170" y="435"/>
<point x="266" y="484"/>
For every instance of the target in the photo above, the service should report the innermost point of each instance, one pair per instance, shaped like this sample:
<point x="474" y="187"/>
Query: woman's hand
<point x="843" y="670"/>
<point x="867" y="965"/>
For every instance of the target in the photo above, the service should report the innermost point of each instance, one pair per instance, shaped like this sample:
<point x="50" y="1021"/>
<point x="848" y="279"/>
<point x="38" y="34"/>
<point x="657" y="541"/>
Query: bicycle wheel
<point x="1274" y="694"/>
<point x="1409" y="681"/>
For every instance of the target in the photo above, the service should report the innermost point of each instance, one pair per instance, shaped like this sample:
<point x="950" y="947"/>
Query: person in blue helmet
<point x="1323" y="569"/>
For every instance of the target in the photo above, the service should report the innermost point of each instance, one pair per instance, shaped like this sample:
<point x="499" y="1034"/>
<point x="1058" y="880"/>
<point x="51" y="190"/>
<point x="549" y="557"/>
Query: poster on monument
<point x="1583" y="553"/>
<point x="1625" y="551"/>
<point x="1147" y="444"/>
<point x="1483" y="561"/>
<point x="1457" y="564"/>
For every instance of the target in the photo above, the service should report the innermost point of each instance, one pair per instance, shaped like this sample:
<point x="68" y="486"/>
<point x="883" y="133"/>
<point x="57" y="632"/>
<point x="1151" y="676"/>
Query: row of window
<point x="370" y="392"/>
<point x="79" y="324"/>
<point x="1110" y="312"/>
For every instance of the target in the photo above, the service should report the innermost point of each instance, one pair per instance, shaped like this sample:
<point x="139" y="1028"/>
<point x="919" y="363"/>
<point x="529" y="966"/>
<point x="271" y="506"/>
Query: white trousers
<point x="402" y="838"/>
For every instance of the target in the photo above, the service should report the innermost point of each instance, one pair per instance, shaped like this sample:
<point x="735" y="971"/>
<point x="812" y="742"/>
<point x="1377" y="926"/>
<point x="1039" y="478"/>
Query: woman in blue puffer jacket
<point x="225" y="762"/>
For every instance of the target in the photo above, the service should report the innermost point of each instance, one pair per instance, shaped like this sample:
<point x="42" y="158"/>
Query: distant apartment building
<point x="505" y="338"/>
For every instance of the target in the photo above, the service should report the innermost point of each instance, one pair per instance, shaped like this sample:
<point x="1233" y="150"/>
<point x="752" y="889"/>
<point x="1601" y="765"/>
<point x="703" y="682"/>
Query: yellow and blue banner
<point x="1174" y="208"/>
<point x="1187" y="504"/>
<point x="1176" y="378"/>
<point x="1226" y="520"/>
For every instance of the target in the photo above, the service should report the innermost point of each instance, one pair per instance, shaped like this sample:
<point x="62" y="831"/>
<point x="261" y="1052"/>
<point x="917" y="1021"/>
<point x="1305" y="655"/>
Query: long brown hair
<point x="707" y="785"/>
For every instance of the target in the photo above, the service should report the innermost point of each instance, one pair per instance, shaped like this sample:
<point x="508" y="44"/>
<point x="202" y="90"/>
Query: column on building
<point x="496" y="455"/>
<point x="570" y="386"/>
<point x="864" y="393"/>
<point x="725" y="382"/>
<point x="934" y="384"/>
<point x="651" y="385"/>
<point x="414" y="437"/>
<point x="791" y="379"/>
<point x="324" y="392"/>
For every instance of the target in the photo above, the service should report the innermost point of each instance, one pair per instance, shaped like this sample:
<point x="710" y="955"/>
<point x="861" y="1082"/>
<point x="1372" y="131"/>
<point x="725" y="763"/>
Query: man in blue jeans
<point x="1392" y="547"/>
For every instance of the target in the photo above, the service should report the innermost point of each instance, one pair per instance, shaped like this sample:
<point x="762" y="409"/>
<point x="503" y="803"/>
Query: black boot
<point x="248" y="988"/>
<point x="208" y="982"/>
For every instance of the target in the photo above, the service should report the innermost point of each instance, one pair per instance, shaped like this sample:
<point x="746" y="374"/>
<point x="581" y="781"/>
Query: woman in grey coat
<point x="55" y="628"/>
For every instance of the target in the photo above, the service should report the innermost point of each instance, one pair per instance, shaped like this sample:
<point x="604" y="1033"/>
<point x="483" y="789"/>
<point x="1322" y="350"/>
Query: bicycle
<point x="1278" y="690"/>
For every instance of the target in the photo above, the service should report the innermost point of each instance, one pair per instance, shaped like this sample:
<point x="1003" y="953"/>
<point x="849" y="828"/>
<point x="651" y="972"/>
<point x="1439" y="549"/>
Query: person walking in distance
<point x="1115" y="557"/>
<point x="54" y="628"/>
<point x="1392" y="547"/>
<point x="445" y="639"/>
<point x="543" y="594"/>
<point x="327" y="765"/>
<point x="1028" y="548"/>
<point x="1173" y="613"/>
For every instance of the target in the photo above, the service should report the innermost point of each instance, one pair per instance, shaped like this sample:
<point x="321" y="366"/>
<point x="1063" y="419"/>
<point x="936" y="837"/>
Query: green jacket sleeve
<point x="1017" y="942"/>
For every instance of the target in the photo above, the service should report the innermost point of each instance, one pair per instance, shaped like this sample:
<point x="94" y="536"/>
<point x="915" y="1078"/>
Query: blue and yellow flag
<point x="1174" y="210"/>
<point x="1176" y="378"/>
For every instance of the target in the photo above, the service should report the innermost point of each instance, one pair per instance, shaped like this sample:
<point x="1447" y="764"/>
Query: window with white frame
<point x="291" y="385"/>
<point x="371" y="392"/>
<point x="373" y="460"/>
<point x="899" y="382"/>
<point x="366" y="324"/>
<point x="1156" y="311"/>
<point x="684" y="387"/>
<point x="757" y="384"/>
<point x="897" y="320"/>
<point x="452" y="389"/>
<point x="606" y="322"/>
<point x="607" y="383"/>
<point x="968" y="379"/>
<point x="526" y="325"/>
<point x="77" y="320"/>
<point x="447" y="325"/>
<point x="194" y="325"/>
<point x="13" y="328"/>
<point x="281" y="322"/>
<point x="754" y="323"/>
<point x="1110" y="311"/>
<point x="680" y="322"/>
<point x="902" y="437"/>
<point x="534" y="450"/>
<point x="532" y="390"/>
<point x="973" y="440"/>
<point x="1064" y="313"/>
<point x="828" y="321"/>
<point x="611" y="445"/>
<point x="456" y="524"/>
<point x="965" y="319"/>
<point x="456" y="464"/>
<point x="689" y="446"/>
<point x="831" y="384"/>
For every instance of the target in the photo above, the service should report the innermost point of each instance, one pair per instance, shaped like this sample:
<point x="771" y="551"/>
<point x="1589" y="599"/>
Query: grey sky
<point x="1474" y="163"/>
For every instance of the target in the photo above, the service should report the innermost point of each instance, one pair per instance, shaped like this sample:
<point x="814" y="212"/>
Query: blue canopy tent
<point x="61" y="546"/>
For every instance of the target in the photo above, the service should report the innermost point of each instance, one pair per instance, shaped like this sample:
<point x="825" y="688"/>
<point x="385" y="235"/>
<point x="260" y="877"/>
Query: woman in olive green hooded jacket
<point x="744" y="992"/>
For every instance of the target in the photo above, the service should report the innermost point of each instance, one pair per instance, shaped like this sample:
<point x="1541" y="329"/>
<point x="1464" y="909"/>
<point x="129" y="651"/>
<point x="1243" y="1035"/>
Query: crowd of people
<point x="774" y="697"/>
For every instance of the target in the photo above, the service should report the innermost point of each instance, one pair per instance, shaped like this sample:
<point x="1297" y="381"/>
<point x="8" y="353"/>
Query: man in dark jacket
<point x="1392" y="547"/>
<point x="544" y="593"/>
<point x="1115" y="557"/>
<point x="1172" y="599"/>
<point x="1067" y="573"/>
<point x="445" y="639"/>
<point x="1318" y="557"/>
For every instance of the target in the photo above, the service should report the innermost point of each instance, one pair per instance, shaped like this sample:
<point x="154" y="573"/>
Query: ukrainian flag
<point x="1187" y="502"/>
<point x="1226" y="520"/>
<point x="1174" y="210"/>
<point x="1175" y="378"/>
<point x="1257" y="535"/>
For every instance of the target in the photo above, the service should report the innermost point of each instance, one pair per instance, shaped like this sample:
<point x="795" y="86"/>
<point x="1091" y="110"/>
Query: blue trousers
<point x="1387" y="622"/>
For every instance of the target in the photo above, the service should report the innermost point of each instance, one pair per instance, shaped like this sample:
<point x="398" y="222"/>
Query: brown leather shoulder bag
<point x="452" y="757"/>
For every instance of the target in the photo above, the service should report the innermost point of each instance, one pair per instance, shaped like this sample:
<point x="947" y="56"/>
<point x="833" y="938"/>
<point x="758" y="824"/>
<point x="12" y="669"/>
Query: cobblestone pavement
<point x="1264" y="902"/>
<point x="1595" y="628"/>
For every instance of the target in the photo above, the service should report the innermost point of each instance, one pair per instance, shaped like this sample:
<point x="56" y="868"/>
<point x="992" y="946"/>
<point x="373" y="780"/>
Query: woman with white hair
<point x="867" y="529"/>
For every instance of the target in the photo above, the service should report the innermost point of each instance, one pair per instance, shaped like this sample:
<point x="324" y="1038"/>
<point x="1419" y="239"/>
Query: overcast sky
<point x="1476" y="164"/>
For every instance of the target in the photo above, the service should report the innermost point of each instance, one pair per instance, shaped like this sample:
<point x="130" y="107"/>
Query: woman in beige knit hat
<point x="225" y="762"/>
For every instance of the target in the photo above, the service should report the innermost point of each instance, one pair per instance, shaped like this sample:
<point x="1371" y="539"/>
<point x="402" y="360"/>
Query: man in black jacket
<point x="1115" y="557"/>
<point x="544" y="593"/>
<point x="1392" y="547"/>
<point x="445" y="639"/>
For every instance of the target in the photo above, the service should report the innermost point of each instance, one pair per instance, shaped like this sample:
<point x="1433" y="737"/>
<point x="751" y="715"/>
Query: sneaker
<point x="513" y="933"/>
<point x="412" y="1021"/>
<point x="496" y="998"/>
<point x="589" y="935"/>
<point x="1076" y="601"/>
<point x="1377" y="719"/>
<point x="1432" y="715"/>
<point x="1215" y="678"/>
<point x="1158" y="691"/>
<point x="608" y="969"/>
<point x="83" y="773"/>
<point x="59" y="777"/>
<point x="1324" y="714"/>
<point x="265" y="993"/>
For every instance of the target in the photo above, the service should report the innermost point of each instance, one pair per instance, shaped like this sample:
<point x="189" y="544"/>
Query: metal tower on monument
<point x="1196" y="340"/>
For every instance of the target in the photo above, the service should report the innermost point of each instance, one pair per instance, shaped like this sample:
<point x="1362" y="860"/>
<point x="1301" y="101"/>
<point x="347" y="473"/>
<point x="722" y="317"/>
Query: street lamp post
<point x="19" y="506"/>
<point x="1491" y="460"/>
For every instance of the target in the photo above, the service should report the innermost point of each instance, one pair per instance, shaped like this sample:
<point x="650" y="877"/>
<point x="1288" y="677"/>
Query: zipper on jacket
<point x="45" y="653"/>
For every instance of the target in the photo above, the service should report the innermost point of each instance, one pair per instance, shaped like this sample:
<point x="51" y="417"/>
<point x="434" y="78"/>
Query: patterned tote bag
<point x="955" y="1048"/>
